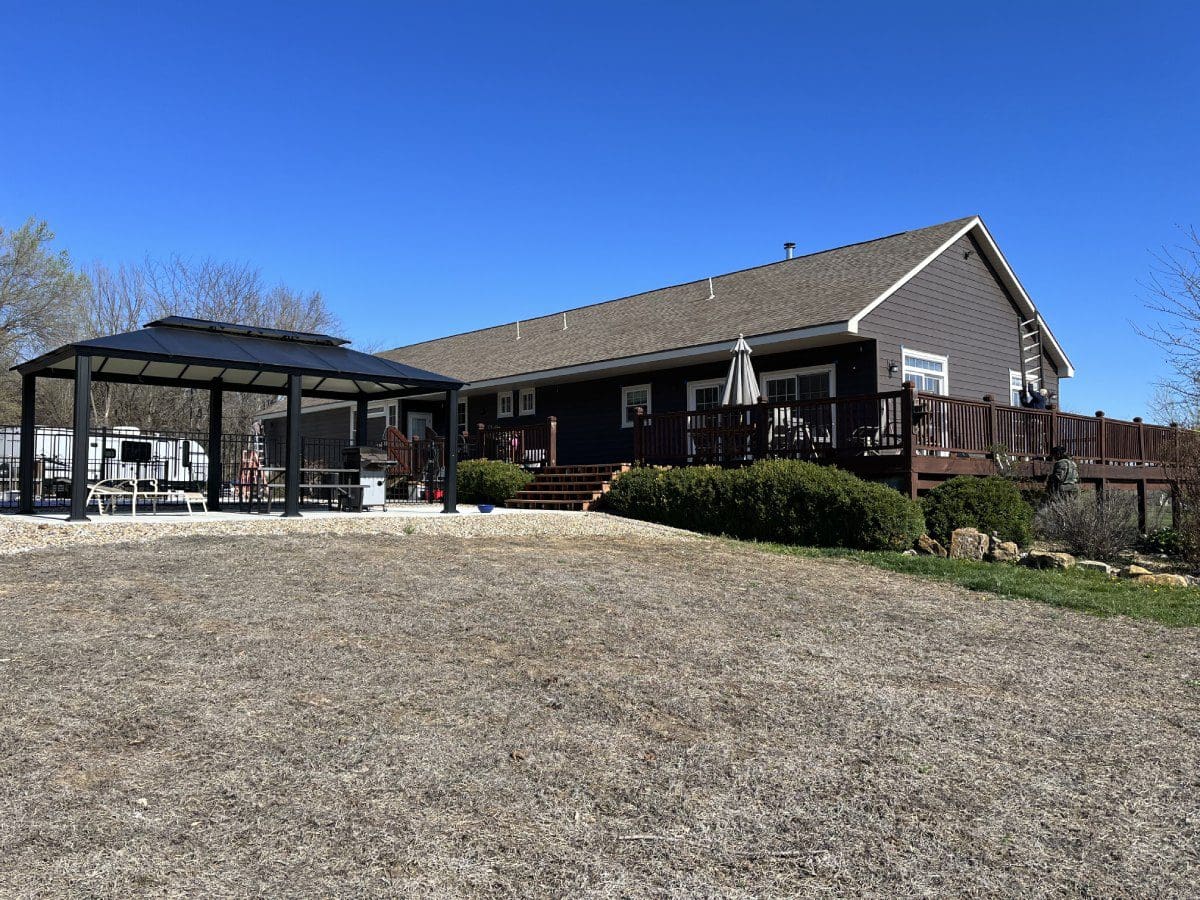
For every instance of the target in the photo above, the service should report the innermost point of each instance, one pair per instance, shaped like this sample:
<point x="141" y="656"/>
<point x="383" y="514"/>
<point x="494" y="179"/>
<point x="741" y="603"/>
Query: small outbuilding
<point x="218" y="357"/>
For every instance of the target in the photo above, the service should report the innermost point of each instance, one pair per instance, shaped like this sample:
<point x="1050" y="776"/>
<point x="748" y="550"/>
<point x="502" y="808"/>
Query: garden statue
<point x="1063" y="480"/>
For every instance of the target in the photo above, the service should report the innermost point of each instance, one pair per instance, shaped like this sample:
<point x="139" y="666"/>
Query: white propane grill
<point x="371" y="464"/>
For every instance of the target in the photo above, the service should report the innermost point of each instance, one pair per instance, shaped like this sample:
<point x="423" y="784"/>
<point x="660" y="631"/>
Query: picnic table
<point x="259" y="495"/>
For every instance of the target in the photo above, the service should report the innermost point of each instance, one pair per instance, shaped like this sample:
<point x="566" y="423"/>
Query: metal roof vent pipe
<point x="790" y="249"/>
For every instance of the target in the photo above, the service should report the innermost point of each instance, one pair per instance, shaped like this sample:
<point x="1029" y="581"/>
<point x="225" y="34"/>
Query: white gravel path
<point x="24" y="534"/>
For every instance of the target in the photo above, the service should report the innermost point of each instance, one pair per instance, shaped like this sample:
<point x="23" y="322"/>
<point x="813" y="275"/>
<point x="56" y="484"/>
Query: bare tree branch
<point x="1174" y="293"/>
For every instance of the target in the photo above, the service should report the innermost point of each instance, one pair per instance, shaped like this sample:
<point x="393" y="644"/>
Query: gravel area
<point x="595" y="708"/>
<point x="20" y="535"/>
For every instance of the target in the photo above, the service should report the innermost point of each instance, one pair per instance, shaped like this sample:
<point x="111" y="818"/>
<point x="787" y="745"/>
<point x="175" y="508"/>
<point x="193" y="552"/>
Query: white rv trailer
<point x="122" y="452"/>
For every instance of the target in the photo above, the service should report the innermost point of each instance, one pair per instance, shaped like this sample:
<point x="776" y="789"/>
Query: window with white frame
<point x="375" y="410"/>
<point x="504" y="405"/>
<point x="705" y="395"/>
<point x="632" y="397"/>
<point x="528" y="401"/>
<point x="1016" y="386"/>
<point x="928" y="371"/>
<point x="462" y="414"/>
<point x="798" y="385"/>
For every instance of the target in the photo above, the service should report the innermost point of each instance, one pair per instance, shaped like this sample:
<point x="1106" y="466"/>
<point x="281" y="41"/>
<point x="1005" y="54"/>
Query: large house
<point x="939" y="307"/>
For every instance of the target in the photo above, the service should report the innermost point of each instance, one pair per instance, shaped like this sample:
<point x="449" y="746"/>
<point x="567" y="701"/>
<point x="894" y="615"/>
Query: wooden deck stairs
<point x="567" y="487"/>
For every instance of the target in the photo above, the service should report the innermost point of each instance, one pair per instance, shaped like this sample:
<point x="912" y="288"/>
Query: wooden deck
<point x="911" y="440"/>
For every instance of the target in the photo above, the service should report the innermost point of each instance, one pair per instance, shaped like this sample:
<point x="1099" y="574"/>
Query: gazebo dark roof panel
<point x="194" y="352"/>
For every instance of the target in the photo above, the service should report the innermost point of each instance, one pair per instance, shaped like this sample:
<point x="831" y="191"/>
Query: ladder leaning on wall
<point x="1031" y="352"/>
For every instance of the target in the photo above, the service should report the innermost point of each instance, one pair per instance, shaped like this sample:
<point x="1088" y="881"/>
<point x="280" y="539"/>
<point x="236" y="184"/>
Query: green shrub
<point x="1167" y="541"/>
<point x="778" y="500"/>
<point x="989" y="504"/>
<point x="638" y="494"/>
<point x="490" y="481"/>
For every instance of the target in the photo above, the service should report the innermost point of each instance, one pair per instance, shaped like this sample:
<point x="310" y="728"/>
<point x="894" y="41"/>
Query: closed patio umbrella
<point x="741" y="385"/>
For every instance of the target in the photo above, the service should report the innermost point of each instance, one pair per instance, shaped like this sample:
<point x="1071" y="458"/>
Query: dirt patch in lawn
<point x="439" y="715"/>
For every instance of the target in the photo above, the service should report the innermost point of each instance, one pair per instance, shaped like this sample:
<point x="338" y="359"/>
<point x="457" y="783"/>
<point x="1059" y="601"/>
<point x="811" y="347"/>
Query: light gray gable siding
<point x="957" y="308"/>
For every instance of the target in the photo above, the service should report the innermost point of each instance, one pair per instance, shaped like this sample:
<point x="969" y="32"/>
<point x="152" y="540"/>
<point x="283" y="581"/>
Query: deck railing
<point x="894" y="423"/>
<point x="986" y="428"/>
<point x="533" y="445"/>
<point x="818" y="430"/>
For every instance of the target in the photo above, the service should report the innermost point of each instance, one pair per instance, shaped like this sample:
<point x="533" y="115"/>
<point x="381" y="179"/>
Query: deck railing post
<point x="762" y="430"/>
<point x="993" y="436"/>
<point x="1053" y="434"/>
<point x="907" y="408"/>
<point x="480" y="442"/>
<point x="639" y="439"/>
<point x="1101" y="443"/>
<point x="552" y="450"/>
<point x="1137" y="420"/>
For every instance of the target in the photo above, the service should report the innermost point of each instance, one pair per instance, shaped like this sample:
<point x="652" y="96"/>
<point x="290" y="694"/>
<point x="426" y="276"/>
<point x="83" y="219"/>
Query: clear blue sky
<point x="435" y="167"/>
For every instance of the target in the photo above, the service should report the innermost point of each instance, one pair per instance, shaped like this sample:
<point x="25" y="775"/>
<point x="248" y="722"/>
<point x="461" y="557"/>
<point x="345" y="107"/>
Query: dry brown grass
<point x="443" y="716"/>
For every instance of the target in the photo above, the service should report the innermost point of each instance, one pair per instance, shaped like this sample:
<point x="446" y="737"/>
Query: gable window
<point x="632" y="397"/>
<point x="528" y="401"/>
<point x="462" y="415"/>
<point x="1016" y="386"/>
<point x="928" y="371"/>
<point x="504" y="405"/>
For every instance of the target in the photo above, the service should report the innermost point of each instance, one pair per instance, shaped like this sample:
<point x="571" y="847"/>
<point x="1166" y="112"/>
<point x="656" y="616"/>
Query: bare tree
<point x="1174" y="287"/>
<point x="45" y="302"/>
<point x="41" y="295"/>
<point x="128" y="296"/>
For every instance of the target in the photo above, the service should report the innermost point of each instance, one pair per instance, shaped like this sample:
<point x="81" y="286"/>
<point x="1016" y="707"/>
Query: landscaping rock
<point x="1097" y="566"/>
<point x="910" y="553"/>
<point x="1004" y="551"/>
<point x="1044" y="559"/>
<point x="969" y="543"/>
<point x="1134" y="572"/>
<point x="927" y="546"/>
<point x="1163" y="579"/>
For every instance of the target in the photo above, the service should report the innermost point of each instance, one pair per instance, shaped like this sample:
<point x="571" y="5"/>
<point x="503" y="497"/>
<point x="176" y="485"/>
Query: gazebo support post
<point x="291" y="501"/>
<point x="216" y="398"/>
<point x="450" y="494"/>
<point x="28" y="436"/>
<point x="360" y="422"/>
<point x="81" y="438"/>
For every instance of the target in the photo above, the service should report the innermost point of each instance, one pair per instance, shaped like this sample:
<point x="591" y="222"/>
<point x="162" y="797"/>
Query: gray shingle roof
<point x="817" y="289"/>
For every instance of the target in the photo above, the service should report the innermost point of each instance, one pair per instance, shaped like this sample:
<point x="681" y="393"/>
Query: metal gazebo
<point x="219" y="357"/>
